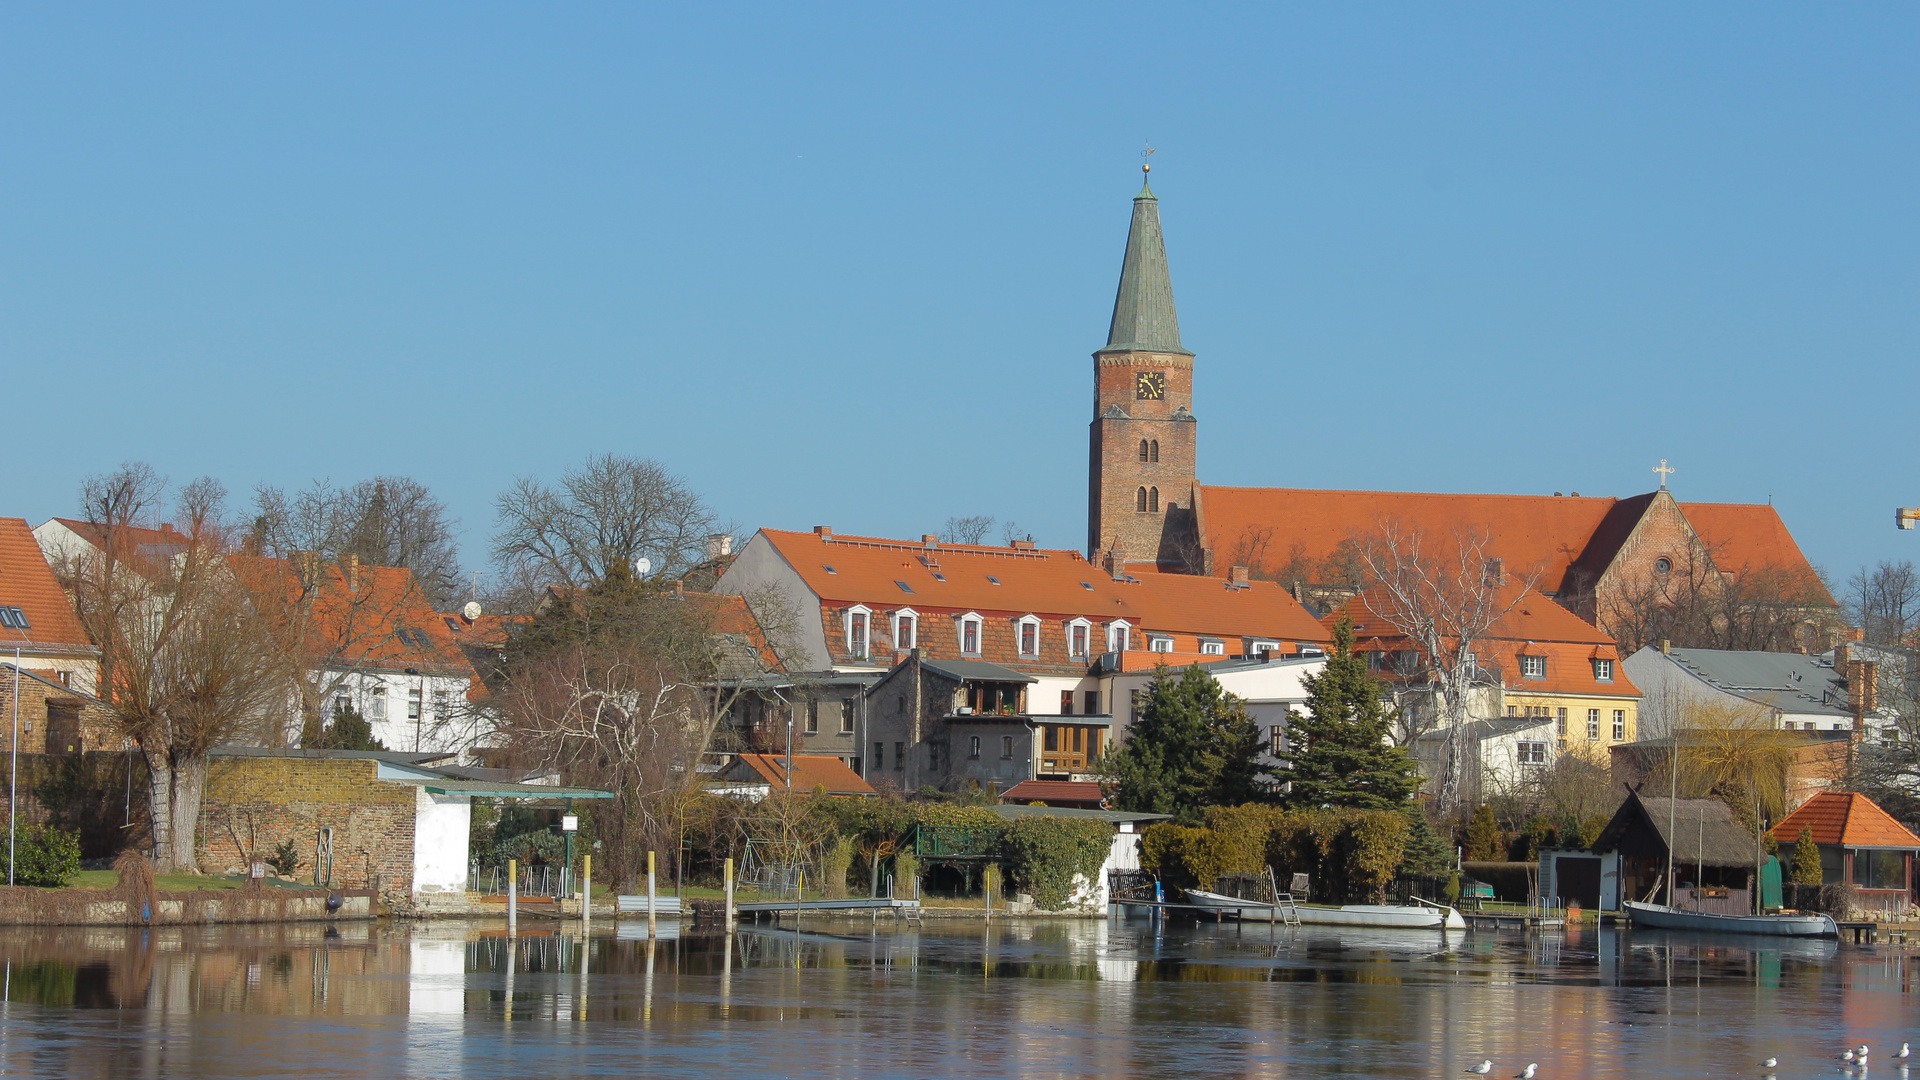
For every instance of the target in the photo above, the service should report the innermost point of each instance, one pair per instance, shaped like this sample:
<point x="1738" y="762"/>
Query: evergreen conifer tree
<point x="1340" y="752"/>
<point x="1191" y="747"/>
<point x="1806" y="860"/>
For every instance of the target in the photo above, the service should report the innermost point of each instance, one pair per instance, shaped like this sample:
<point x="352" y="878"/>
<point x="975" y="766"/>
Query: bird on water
<point x="1527" y="1073"/>
<point x="1483" y="1068"/>
<point x="1770" y="1063"/>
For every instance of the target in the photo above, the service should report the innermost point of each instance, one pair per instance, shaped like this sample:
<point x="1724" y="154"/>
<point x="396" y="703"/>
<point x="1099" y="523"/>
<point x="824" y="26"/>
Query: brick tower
<point x="1141" y="474"/>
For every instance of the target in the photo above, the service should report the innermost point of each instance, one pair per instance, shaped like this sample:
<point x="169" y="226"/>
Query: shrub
<point x="1483" y="836"/>
<point x="1348" y="854"/>
<point x="1047" y="854"/>
<point x="1806" y="859"/>
<point x="906" y="870"/>
<point x="284" y="859"/>
<point x="44" y="856"/>
<point x="834" y="864"/>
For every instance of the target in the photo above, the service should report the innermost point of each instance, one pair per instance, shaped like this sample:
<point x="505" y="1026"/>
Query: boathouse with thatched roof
<point x="1713" y="854"/>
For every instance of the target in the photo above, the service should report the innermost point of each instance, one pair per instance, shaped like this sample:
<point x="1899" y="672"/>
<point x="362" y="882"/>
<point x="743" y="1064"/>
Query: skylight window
<point x="453" y="624"/>
<point x="904" y="587"/>
<point x="828" y="569"/>
<point x="993" y="579"/>
<point x="938" y="576"/>
<point x="14" y="619"/>
<point x="1087" y="585"/>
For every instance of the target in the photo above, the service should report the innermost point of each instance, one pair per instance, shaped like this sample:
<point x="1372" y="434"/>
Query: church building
<point x="1629" y="565"/>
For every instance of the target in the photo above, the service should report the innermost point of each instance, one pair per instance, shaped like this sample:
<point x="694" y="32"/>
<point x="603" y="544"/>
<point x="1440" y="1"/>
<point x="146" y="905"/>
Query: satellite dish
<point x="642" y="566"/>
<point x="472" y="610"/>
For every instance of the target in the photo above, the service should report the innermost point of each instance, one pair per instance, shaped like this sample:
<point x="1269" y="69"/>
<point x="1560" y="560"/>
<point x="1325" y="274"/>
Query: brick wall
<point x="75" y="721"/>
<point x="939" y="638"/>
<point x="1116" y="472"/>
<point x="253" y="804"/>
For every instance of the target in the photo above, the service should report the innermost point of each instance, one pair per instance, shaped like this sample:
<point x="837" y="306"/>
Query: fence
<point x="541" y="880"/>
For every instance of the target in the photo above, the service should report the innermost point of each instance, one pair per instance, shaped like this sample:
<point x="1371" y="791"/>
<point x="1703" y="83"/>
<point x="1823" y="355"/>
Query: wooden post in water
<point x="513" y="896"/>
<point x="729" y="922"/>
<point x="651" y="925"/>
<point x="586" y="892"/>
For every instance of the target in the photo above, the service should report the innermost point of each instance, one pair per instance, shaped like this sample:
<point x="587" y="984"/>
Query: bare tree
<point x="1442" y="593"/>
<point x="1010" y="532"/>
<point x="184" y="666"/>
<point x="967" y="530"/>
<point x="1697" y="602"/>
<point x="606" y="514"/>
<point x="386" y="521"/>
<point x="1885" y="602"/>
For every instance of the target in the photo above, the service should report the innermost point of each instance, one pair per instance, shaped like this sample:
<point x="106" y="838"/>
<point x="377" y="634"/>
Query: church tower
<point x="1143" y="447"/>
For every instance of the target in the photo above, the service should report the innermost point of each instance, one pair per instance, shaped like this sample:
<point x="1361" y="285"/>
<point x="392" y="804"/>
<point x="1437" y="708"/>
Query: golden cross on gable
<point x="1665" y="471"/>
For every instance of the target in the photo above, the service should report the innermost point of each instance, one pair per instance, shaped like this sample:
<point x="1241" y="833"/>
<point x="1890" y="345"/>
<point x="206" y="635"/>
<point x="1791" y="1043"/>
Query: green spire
<point x="1143" y="315"/>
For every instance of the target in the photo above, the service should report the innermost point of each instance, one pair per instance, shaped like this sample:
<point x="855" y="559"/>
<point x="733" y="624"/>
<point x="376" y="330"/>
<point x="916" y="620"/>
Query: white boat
<point x="1659" y="916"/>
<point x="1418" y="915"/>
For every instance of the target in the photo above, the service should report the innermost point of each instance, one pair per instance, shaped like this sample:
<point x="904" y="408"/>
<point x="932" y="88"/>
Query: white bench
<point x="637" y="905"/>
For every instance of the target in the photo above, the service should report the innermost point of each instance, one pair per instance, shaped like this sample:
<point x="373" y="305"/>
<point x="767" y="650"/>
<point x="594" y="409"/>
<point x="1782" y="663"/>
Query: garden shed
<point x="1713" y="855"/>
<point x="1861" y="846"/>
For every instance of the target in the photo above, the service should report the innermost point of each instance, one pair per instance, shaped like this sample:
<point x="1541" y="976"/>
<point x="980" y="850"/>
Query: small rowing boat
<point x="1661" y="917"/>
<point x="1417" y="915"/>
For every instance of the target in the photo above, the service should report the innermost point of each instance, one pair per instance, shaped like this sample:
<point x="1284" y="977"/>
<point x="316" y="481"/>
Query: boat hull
<point x="1661" y="917"/>
<point x="1379" y="916"/>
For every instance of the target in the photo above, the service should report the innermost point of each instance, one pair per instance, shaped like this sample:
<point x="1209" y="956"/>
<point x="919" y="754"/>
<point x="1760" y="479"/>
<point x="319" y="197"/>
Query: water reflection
<point x="1009" y="999"/>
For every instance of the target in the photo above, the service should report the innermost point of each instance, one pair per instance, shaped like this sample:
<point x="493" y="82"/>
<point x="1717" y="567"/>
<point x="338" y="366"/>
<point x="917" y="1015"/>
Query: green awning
<point x="494" y="789"/>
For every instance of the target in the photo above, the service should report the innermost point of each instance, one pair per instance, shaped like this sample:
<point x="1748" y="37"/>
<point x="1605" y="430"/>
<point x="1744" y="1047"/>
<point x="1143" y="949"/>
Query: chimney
<point x="824" y="532"/>
<point x="1297" y="597"/>
<point x="679" y="590"/>
<point x="929" y="540"/>
<point x="1497" y="571"/>
<point x="1114" y="562"/>
<point x="1841" y="654"/>
<point x="1024" y="545"/>
<point x="352" y="569"/>
<point x="166" y="527"/>
<point x="1863" y="692"/>
<point x="1666" y="646"/>
<point x="1237" y="575"/>
<point x="1857" y="633"/>
<point x="719" y="546"/>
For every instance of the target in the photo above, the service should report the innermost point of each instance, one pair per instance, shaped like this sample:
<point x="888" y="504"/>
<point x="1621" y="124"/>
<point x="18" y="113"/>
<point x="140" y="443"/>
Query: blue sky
<point x="846" y="266"/>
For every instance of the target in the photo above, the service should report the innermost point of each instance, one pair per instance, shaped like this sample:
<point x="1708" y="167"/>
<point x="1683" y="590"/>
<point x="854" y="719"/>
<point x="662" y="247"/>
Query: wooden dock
<point x="1510" y="920"/>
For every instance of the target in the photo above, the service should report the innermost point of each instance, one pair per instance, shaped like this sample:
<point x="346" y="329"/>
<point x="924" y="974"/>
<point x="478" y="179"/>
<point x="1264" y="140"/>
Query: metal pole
<point x="13" y="767"/>
<point x="513" y="896"/>
<point x="729" y="923"/>
<point x="586" y="894"/>
<point x="650" y="897"/>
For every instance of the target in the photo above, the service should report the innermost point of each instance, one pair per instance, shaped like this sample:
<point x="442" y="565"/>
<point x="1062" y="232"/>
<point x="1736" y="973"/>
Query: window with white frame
<point x="813" y="716"/>
<point x="846" y="716"/>
<point x="1156" y="643"/>
<point x="1213" y="648"/>
<point x="906" y="629"/>
<point x="377" y="703"/>
<point x="415" y="699"/>
<point x="1259" y="649"/>
<point x="1533" y="667"/>
<point x="1079" y="638"/>
<point x="1118" y="634"/>
<point x="973" y="746"/>
<point x="1593" y="723"/>
<point x="1531" y="753"/>
<point x="969" y="630"/>
<point x="1027" y="633"/>
<point x="1603" y="670"/>
<point x="859" y="628"/>
<point x="1619" y="725"/>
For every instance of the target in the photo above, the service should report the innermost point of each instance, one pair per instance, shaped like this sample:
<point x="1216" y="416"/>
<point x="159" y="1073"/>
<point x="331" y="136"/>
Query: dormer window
<point x="906" y="629"/>
<point x="1079" y="638"/>
<point x="859" y="631"/>
<point x="1533" y="667"/>
<point x="969" y="629"/>
<point x="1603" y="671"/>
<point x="1118" y="634"/>
<point x="1027" y="632"/>
<point x="1159" y="643"/>
<point x="1212" y="648"/>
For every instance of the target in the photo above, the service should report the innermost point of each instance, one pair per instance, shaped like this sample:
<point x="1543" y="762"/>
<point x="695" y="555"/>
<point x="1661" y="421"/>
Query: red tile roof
<point x="1055" y="792"/>
<point x="28" y="583"/>
<point x="1050" y="583"/>
<point x="1551" y="534"/>
<point x="1535" y="626"/>
<point x="384" y="621"/>
<point x="163" y="537"/>
<point x="809" y="771"/>
<point x="1847" y="819"/>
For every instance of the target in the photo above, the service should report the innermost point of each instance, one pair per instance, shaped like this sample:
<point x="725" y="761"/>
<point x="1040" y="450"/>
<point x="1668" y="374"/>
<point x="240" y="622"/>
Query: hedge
<point x="1046" y="854"/>
<point x="1348" y="854"/>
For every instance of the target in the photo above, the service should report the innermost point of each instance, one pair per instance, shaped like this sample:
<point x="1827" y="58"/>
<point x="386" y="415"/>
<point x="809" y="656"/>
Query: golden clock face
<point x="1150" y="385"/>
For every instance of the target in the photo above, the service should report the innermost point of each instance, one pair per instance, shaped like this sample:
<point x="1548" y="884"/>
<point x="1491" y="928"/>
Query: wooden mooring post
<point x="729" y="923"/>
<point x="513" y="896"/>
<point x="652" y="903"/>
<point x="586" y="892"/>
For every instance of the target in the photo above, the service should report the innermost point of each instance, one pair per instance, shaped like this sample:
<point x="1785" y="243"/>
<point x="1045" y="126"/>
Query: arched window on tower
<point x="1143" y="450"/>
<point x="1153" y="450"/>
<point x="1140" y="500"/>
<point x="1153" y="500"/>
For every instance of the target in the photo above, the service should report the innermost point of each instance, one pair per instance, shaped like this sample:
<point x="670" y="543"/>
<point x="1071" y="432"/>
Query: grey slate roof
<point x="1790" y="682"/>
<point x="1478" y="730"/>
<point x="1143" y="315"/>
<point x="977" y="670"/>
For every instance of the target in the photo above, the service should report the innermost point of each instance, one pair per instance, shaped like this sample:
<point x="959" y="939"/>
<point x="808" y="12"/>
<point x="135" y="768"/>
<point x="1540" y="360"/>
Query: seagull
<point x="1770" y="1063"/>
<point x="1846" y="1056"/>
<point x="1904" y="1051"/>
<point x="1527" y="1073"/>
<point x="1483" y="1068"/>
<point x="1861" y="1053"/>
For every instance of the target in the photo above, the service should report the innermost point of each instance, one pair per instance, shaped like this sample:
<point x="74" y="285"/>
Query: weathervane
<point x="1664" y="472"/>
<point x="1145" y="165"/>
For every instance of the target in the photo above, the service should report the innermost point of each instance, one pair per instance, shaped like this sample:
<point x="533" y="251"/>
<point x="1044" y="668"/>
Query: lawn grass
<point x="107" y="879"/>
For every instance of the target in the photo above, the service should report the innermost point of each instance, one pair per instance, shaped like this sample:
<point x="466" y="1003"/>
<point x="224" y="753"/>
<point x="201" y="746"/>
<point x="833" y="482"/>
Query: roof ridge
<point x="1435" y="494"/>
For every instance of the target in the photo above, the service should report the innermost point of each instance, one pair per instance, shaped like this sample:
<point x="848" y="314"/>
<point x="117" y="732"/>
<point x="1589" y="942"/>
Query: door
<point x="1577" y="879"/>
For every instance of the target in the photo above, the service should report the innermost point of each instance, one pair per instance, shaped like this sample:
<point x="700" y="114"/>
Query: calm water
<point x="1031" y="1000"/>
